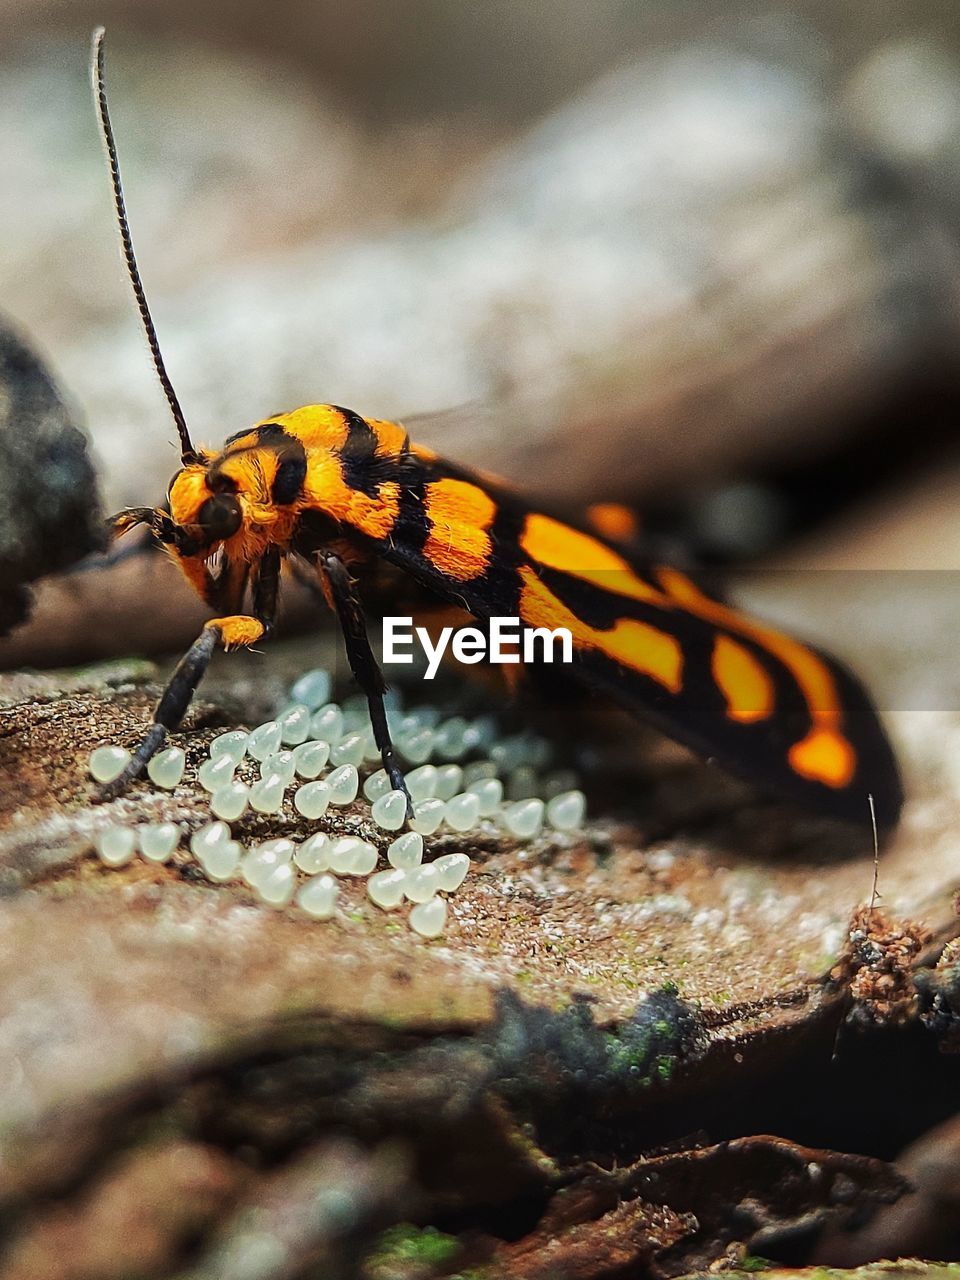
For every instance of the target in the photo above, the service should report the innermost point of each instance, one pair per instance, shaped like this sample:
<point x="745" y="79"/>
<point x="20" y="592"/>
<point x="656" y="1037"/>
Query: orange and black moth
<point x="334" y="492"/>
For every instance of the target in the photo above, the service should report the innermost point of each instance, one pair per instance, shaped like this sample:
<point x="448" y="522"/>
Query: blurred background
<point x="700" y="258"/>
<point x="703" y="262"/>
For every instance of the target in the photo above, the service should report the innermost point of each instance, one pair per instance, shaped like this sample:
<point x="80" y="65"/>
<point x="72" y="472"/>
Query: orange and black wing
<point x="762" y="704"/>
<point x="776" y="711"/>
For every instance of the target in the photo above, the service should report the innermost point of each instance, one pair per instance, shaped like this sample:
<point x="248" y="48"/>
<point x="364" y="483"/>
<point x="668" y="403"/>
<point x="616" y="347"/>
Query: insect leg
<point x="363" y="664"/>
<point x="266" y="589"/>
<point x="170" y="709"/>
<point x="231" y="632"/>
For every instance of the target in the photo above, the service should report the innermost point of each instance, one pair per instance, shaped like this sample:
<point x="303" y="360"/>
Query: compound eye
<point x="220" y="517"/>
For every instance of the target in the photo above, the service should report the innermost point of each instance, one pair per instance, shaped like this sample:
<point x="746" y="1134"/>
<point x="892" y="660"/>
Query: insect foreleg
<point x="231" y="632"/>
<point x="119" y="524"/>
<point x="363" y="664"/>
<point x="170" y="709"/>
<point x="266" y="588"/>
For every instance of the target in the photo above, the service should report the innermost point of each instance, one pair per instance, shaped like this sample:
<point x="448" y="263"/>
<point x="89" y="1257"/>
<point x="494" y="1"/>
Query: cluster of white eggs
<point x="314" y="736"/>
<point x="283" y="871"/>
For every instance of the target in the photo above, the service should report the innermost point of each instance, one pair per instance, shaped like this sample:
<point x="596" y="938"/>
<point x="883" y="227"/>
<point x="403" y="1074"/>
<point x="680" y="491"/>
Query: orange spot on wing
<point x="632" y="643"/>
<point x="460" y="514"/>
<point x="824" y="756"/>
<point x="613" y="521"/>
<point x="557" y="546"/>
<point x="744" y="683"/>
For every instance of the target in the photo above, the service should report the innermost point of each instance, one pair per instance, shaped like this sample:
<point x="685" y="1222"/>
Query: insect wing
<point x="768" y="708"/>
<point x="763" y="705"/>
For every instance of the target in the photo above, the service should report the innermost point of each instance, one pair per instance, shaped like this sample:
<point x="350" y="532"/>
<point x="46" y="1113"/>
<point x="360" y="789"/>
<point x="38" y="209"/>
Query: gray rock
<point x="49" y="507"/>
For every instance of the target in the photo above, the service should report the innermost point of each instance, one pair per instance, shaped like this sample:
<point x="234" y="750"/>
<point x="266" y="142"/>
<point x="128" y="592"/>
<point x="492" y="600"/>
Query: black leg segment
<point x="363" y="664"/>
<point x="266" y="589"/>
<point x="171" y="709"/>
<point x="229" y="631"/>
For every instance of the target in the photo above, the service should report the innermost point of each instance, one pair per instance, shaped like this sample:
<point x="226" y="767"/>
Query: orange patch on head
<point x="460" y="514"/>
<point x="741" y="679"/>
<point x="252" y="470"/>
<point x="557" y="546"/>
<point x="824" y="756"/>
<point x="188" y="493"/>
<point x="632" y="643"/>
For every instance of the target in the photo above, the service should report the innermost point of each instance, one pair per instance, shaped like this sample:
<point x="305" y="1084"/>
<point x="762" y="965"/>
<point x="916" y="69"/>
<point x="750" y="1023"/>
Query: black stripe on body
<point x="411" y="527"/>
<point x="496" y="590"/>
<point x="317" y="530"/>
<point x="291" y="456"/>
<point x="260" y="430"/>
<point x="499" y="582"/>
<point x="358" y="452"/>
<point x="291" y="462"/>
<point x="291" y="472"/>
<point x="238" y="435"/>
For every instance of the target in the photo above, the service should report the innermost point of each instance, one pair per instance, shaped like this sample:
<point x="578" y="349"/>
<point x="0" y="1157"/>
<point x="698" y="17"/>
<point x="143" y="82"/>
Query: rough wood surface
<point x="598" y="1071"/>
<point x="593" y="999"/>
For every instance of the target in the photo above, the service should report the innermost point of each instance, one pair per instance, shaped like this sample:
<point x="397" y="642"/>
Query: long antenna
<point x="187" y="451"/>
